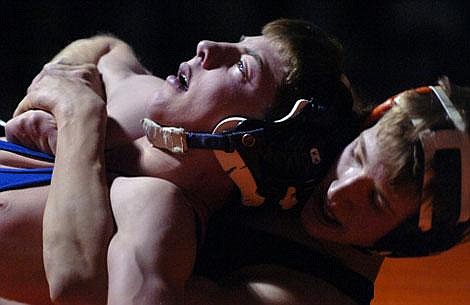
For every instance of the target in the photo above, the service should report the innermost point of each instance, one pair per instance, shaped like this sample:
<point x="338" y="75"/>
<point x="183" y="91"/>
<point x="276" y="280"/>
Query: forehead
<point x="379" y="167"/>
<point x="373" y="154"/>
<point x="370" y="145"/>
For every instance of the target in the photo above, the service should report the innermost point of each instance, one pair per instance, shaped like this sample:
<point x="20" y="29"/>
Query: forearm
<point x="86" y="51"/>
<point x="119" y="55"/>
<point x="79" y="63"/>
<point x="77" y="219"/>
<point x="123" y="81"/>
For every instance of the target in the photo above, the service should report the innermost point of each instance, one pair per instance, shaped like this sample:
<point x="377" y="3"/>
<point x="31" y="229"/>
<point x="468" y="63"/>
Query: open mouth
<point x="183" y="81"/>
<point x="184" y="76"/>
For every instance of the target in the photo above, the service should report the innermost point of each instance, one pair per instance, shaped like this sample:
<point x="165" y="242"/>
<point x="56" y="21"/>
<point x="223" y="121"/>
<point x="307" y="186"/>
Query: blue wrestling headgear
<point x="278" y="162"/>
<point x="444" y="154"/>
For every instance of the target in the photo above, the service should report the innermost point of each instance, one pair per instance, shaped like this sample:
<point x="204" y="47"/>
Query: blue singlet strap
<point x="17" y="178"/>
<point x="21" y="150"/>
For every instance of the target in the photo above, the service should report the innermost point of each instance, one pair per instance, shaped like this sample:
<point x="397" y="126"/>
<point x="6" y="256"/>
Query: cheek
<point x="212" y="90"/>
<point x="235" y="101"/>
<point x="209" y="105"/>
<point x="219" y="99"/>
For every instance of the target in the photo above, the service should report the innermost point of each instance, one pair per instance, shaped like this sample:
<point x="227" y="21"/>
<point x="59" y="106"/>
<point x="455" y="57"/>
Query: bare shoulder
<point x="135" y="91"/>
<point x="142" y="85"/>
<point x="145" y="200"/>
<point x="124" y="188"/>
<point x="128" y="193"/>
<point x="127" y="103"/>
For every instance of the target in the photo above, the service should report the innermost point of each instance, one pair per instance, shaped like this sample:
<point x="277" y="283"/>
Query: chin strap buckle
<point x="173" y="139"/>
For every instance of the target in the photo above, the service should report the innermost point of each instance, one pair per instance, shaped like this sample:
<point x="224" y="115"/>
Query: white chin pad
<point x="170" y="138"/>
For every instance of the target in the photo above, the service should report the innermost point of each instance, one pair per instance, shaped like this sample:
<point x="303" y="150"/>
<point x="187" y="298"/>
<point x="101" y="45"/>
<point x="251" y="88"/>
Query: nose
<point x="356" y="189"/>
<point x="216" y="54"/>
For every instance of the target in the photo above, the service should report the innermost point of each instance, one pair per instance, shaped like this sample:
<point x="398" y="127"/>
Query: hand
<point x="35" y="129"/>
<point x="67" y="99"/>
<point x="87" y="74"/>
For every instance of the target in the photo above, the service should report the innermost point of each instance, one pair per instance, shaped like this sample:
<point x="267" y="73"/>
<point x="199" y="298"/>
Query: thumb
<point x="23" y="106"/>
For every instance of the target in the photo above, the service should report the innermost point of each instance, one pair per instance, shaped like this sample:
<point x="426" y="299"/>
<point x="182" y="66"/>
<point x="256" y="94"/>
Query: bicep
<point x="155" y="240"/>
<point x="120" y="62"/>
<point x="155" y="217"/>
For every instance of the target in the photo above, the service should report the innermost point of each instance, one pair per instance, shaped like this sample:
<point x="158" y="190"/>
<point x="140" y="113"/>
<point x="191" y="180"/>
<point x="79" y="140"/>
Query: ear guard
<point x="437" y="139"/>
<point x="441" y="147"/>
<point x="279" y="161"/>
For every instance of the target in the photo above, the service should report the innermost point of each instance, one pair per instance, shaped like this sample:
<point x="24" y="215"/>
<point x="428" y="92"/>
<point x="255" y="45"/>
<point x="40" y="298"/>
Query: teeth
<point x="184" y="81"/>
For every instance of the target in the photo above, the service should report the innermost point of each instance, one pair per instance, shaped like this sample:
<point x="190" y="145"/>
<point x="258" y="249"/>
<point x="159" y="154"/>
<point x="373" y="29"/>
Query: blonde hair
<point x="400" y="139"/>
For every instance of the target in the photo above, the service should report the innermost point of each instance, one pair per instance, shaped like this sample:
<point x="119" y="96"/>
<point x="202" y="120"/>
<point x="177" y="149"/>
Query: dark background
<point x="390" y="46"/>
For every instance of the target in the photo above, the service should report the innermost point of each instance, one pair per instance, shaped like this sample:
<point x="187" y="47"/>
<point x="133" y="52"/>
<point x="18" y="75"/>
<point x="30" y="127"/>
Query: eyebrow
<point x="252" y="53"/>
<point x="362" y="149"/>
<point x="256" y="56"/>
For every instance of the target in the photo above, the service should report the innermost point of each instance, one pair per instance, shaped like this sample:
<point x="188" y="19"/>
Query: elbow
<point x="75" y="281"/>
<point x="77" y="288"/>
<point x="60" y="289"/>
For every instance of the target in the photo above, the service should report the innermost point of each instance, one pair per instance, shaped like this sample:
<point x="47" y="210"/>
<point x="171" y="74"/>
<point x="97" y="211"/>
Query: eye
<point x="242" y="67"/>
<point x="377" y="200"/>
<point x="373" y="198"/>
<point x="356" y="154"/>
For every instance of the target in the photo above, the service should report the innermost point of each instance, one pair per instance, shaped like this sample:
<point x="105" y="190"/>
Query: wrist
<point x="88" y="116"/>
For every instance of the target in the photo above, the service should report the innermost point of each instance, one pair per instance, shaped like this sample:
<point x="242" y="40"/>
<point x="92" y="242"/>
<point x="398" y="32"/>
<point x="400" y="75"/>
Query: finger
<point x="49" y="69"/>
<point x="56" y="66"/>
<point x="34" y="100"/>
<point x="22" y="139"/>
<point x="52" y="142"/>
<point x="90" y="76"/>
<point x="23" y="106"/>
<point x="86" y="74"/>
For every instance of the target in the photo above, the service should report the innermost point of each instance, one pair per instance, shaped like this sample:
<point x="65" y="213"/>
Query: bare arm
<point x="152" y="254"/>
<point x="127" y="83"/>
<point x="77" y="218"/>
<point x="115" y="59"/>
<point x="129" y="88"/>
<point x="86" y="51"/>
<point x="80" y="58"/>
<point x="77" y="62"/>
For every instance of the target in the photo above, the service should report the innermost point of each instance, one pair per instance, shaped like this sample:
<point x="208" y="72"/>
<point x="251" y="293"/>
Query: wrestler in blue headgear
<point x="270" y="161"/>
